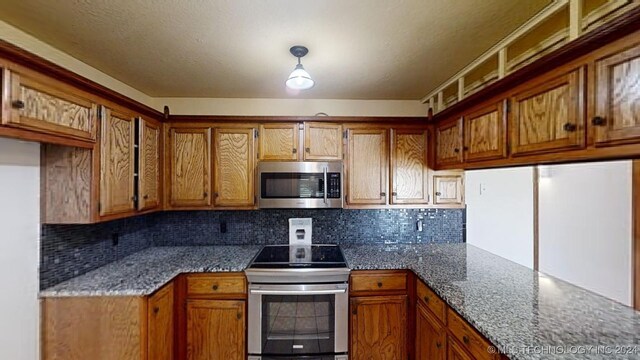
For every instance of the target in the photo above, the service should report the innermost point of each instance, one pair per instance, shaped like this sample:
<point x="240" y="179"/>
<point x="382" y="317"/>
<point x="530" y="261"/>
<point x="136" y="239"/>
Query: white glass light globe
<point x="300" y="79"/>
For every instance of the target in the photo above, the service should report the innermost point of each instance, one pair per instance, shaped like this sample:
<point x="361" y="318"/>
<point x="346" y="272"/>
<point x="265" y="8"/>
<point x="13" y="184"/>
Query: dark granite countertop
<point x="524" y="313"/>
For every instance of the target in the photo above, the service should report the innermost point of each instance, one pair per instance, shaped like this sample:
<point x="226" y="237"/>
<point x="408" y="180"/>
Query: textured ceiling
<point x="359" y="49"/>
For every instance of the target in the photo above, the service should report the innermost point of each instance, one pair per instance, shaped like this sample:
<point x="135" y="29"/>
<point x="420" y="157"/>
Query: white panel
<point x="585" y="226"/>
<point x="19" y="249"/>
<point x="500" y="212"/>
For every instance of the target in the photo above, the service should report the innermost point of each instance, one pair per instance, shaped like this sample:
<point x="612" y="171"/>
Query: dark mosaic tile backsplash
<point x="71" y="250"/>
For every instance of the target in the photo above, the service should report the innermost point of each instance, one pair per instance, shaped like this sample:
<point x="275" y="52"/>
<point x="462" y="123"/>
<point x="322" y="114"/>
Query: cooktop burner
<point x="311" y="256"/>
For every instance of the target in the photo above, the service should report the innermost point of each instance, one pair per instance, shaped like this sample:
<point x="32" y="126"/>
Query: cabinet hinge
<point x="255" y="133"/>
<point x="344" y="134"/>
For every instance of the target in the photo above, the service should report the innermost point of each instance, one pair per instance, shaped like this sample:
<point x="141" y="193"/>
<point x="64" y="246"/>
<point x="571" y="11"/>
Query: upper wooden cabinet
<point x="149" y="164"/>
<point x="617" y="110"/>
<point x="216" y="330"/>
<point x="367" y="167"/>
<point x="485" y="133"/>
<point x="322" y="141"/>
<point x="42" y="104"/>
<point x="387" y="338"/>
<point x="448" y="136"/>
<point x="548" y="114"/>
<point x="234" y="167"/>
<point x="278" y="141"/>
<point x="448" y="188"/>
<point x="117" y="144"/>
<point x="409" y="169"/>
<point x="190" y="167"/>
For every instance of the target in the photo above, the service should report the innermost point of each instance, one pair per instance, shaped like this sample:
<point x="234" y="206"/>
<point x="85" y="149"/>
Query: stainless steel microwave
<point x="300" y="185"/>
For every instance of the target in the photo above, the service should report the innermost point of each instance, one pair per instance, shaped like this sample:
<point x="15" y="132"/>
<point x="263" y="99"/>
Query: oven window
<point x="302" y="324"/>
<point x="292" y="185"/>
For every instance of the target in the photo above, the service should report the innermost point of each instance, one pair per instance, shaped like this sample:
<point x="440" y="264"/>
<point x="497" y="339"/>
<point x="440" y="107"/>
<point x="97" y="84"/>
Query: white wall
<point x="19" y="249"/>
<point x="500" y="212"/>
<point x="585" y="227"/>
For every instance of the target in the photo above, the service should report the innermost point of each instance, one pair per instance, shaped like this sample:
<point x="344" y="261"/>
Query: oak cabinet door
<point x="117" y="163"/>
<point x="430" y="336"/>
<point x="617" y="116"/>
<point x="148" y="164"/>
<point x="449" y="142"/>
<point x="322" y="141"/>
<point x="42" y="104"/>
<point x="367" y="167"/>
<point x="456" y="352"/>
<point x="409" y="169"/>
<point x="485" y="133"/>
<point x="161" y="324"/>
<point x="234" y="166"/>
<point x="549" y="115"/>
<point x="448" y="188"/>
<point x="215" y="330"/>
<point x="278" y="142"/>
<point x="190" y="158"/>
<point x="379" y="327"/>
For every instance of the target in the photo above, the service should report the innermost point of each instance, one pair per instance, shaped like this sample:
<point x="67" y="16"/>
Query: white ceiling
<point x="359" y="49"/>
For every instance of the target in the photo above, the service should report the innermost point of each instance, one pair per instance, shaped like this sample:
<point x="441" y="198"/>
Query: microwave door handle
<point x="326" y="187"/>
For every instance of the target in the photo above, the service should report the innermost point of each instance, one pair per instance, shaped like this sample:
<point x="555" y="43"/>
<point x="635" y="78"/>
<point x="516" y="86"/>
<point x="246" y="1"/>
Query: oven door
<point x="292" y="321"/>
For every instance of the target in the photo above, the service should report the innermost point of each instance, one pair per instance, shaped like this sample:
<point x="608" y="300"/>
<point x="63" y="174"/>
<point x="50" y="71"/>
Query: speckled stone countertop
<point x="526" y="314"/>
<point x="148" y="270"/>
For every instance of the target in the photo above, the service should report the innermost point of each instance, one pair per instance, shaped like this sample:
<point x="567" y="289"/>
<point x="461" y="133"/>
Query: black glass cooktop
<point x="313" y="256"/>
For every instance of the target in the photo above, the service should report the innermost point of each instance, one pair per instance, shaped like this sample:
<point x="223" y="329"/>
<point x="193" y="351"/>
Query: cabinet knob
<point x="383" y="194"/>
<point x="394" y="194"/>
<point x="307" y="149"/>
<point x="466" y="148"/>
<point x="598" y="121"/>
<point x="379" y="284"/>
<point x="145" y="197"/>
<point x="215" y="287"/>
<point x="205" y="194"/>
<point x="239" y="316"/>
<point x="438" y="344"/>
<point x="569" y="127"/>
<point x="465" y="339"/>
<point x="17" y="104"/>
<point x="294" y="150"/>
<point x="354" y="311"/>
<point x="438" y="193"/>
<point x="426" y="299"/>
<point x="156" y="310"/>
<point x="456" y="150"/>
<point x="215" y="194"/>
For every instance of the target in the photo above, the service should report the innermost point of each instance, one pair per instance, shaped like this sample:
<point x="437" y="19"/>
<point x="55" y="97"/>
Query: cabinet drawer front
<point x="51" y="109"/>
<point x="432" y="301"/>
<point x="378" y="282"/>
<point x="470" y="340"/>
<point x="216" y="284"/>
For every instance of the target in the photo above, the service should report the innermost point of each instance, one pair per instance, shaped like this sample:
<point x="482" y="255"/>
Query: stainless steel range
<point x="298" y="303"/>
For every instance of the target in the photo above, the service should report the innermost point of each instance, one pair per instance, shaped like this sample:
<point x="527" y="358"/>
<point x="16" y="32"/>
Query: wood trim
<point x="22" y="57"/>
<point x="419" y="120"/>
<point x="635" y="248"/>
<point x="615" y="29"/>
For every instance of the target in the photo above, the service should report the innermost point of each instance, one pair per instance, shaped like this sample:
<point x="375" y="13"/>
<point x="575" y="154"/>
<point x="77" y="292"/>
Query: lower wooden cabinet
<point x="161" y="324"/>
<point x="379" y="327"/>
<point x="431" y="336"/>
<point x="455" y="352"/>
<point x="216" y="330"/>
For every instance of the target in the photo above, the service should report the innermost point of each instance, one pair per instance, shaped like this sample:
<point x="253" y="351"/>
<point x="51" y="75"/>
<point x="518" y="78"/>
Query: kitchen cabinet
<point x="485" y="133"/>
<point x="379" y="327"/>
<point x="448" y="136"/>
<point x="109" y="327"/>
<point x="409" y="168"/>
<point x="322" y="141"/>
<point x="161" y="324"/>
<point x="278" y="141"/>
<point x="149" y="148"/>
<point x="431" y="336"/>
<point x="234" y="167"/>
<point x="216" y="329"/>
<point x="367" y="167"/>
<point x="617" y="103"/>
<point x="190" y="167"/>
<point x="448" y="187"/>
<point x="117" y="153"/>
<point x="455" y="351"/>
<point x="39" y="103"/>
<point x="548" y="114"/>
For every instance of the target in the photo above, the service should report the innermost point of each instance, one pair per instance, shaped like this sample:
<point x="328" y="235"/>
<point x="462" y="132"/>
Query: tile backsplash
<point x="71" y="250"/>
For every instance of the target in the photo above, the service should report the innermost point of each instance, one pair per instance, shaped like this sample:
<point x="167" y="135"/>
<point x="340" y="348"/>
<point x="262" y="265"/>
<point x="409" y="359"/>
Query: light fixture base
<point x="299" y="51"/>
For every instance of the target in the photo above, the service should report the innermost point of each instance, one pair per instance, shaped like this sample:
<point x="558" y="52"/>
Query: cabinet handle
<point x="215" y="194"/>
<point x="354" y="311"/>
<point x="426" y="299"/>
<point x="307" y="150"/>
<point x="394" y="194"/>
<point x="466" y="148"/>
<point x="438" y="193"/>
<point x="215" y="287"/>
<point x="569" y="127"/>
<point x="599" y="121"/>
<point x="465" y="339"/>
<point x="383" y="194"/>
<point x="456" y="150"/>
<point x="239" y="316"/>
<point x="156" y="310"/>
<point x="17" y="104"/>
<point x="294" y="151"/>
<point x="379" y="284"/>
<point x="145" y="197"/>
<point x="205" y="194"/>
<point x="438" y="344"/>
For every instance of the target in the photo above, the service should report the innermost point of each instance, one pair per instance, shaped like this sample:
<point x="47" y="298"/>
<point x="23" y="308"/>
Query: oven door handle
<point x="298" y="292"/>
<point x="326" y="186"/>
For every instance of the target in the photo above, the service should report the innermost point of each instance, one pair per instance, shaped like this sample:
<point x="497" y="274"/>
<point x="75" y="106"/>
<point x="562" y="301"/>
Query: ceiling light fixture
<point x="299" y="78"/>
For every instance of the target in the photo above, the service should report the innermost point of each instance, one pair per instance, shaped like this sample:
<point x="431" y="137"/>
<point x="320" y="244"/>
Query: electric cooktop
<point x="299" y="256"/>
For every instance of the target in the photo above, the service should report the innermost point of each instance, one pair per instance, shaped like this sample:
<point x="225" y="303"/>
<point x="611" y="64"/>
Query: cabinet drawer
<point x="468" y="337"/>
<point x="219" y="284"/>
<point x="432" y="301"/>
<point x="378" y="281"/>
